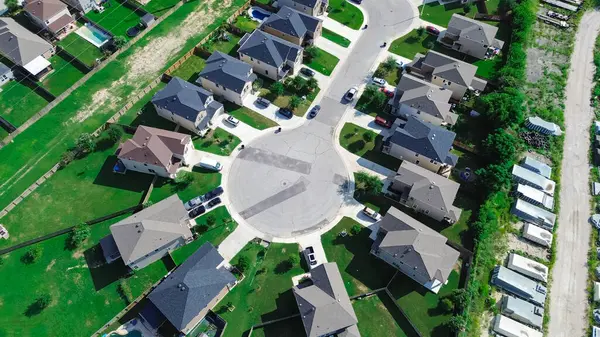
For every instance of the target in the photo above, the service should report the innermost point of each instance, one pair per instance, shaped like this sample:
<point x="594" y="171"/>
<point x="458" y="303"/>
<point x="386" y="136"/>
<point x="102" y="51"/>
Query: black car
<point x="214" y="202"/>
<point x="286" y="113"/>
<point x="214" y="193"/>
<point x="197" y="211"/>
<point x="307" y="72"/>
<point x="314" y="111"/>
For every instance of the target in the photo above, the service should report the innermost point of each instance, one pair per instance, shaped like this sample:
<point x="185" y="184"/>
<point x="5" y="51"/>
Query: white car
<point x="380" y="82"/>
<point x="399" y="64"/>
<point x="371" y="213"/>
<point x="232" y="120"/>
<point x="351" y="94"/>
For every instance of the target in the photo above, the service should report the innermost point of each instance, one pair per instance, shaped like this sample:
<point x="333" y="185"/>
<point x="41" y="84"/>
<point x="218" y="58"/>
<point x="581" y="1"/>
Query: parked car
<point x="314" y="111"/>
<point x="432" y="30"/>
<point x="556" y="15"/>
<point x="197" y="211"/>
<point x="309" y="254"/>
<point x="388" y="93"/>
<point x="210" y="164"/>
<point x="214" y="202"/>
<point x="232" y="120"/>
<point x="371" y="213"/>
<point x="197" y="201"/>
<point x="307" y="72"/>
<point x="378" y="81"/>
<point x="399" y="64"/>
<point x="358" y="1"/>
<point x="287" y="113"/>
<point x="350" y="95"/>
<point x="263" y="102"/>
<point x="214" y="193"/>
<point x="383" y="122"/>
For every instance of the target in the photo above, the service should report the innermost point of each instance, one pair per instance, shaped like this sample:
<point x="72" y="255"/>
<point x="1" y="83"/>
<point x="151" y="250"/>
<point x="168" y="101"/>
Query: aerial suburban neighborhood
<point x="300" y="168"/>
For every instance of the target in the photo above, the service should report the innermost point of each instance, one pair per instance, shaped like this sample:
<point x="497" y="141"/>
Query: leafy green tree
<point x="499" y="147"/>
<point x="78" y="235"/>
<point x="115" y="133"/>
<point x="494" y="177"/>
<point x="85" y="143"/>
<point x="40" y="303"/>
<point x="295" y="102"/>
<point x="447" y="305"/>
<point x="294" y="260"/>
<point x="12" y="5"/>
<point x="468" y="7"/>
<point x="312" y="84"/>
<point x="356" y="229"/>
<point x="32" y="255"/>
<point x="298" y="83"/>
<point x="459" y="298"/>
<point x="257" y="84"/>
<point x="243" y="263"/>
<point x="502" y="109"/>
<point x="367" y="136"/>
<point x="456" y="323"/>
<point x="389" y="64"/>
<point x="368" y="184"/>
<point x="183" y="178"/>
<point x="277" y="88"/>
<point x="119" y="41"/>
<point x="311" y="53"/>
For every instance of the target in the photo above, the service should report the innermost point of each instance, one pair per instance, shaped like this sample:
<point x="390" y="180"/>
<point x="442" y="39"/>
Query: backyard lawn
<point x="116" y="18"/>
<point x="81" y="49"/>
<point x="64" y="76"/>
<point x="378" y="316"/>
<point x="246" y="24"/>
<point x="323" y="63"/>
<point x="335" y="37"/>
<point x="143" y="112"/>
<point x="229" y="47"/>
<point x="190" y="69"/>
<point x="18" y="103"/>
<point x="266" y="291"/>
<point x="440" y="14"/>
<point x="254" y="119"/>
<point x="346" y="13"/>
<point x="366" y="144"/>
<point x="217" y="141"/>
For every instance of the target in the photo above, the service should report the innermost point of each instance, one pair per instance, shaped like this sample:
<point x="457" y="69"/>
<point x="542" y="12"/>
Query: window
<point x="251" y="59"/>
<point x="416" y="154"/>
<point x="266" y="72"/>
<point x="145" y="164"/>
<point x="257" y="61"/>
<point x="426" y="211"/>
<point x="151" y="170"/>
<point x="449" y="83"/>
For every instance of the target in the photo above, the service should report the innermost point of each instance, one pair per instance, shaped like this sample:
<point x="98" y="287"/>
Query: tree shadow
<point x="104" y="144"/>
<point x="34" y="309"/>
<point x="131" y="181"/>
<point x="102" y="273"/>
<point x="283" y="267"/>
<point x="357" y="146"/>
<point x="291" y="327"/>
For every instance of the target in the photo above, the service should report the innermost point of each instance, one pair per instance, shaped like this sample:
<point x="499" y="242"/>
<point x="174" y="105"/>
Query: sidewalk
<point x="332" y="48"/>
<point x="339" y="28"/>
<point x="243" y="131"/>
<point x="236" y="241"/>
<point x="271" y="113"/>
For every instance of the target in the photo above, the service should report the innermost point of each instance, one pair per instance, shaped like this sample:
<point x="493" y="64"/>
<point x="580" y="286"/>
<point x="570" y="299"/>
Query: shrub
<point x="277" y="88"/>
<point x="66" y="159"/>
<point x="257" y="84"/>
<point x="389" y="64"/>
<point x="243" y="263"/>
<point x="468" y="7"/>
<point x="298" y="83"/>
<point x="312" y="84"/>
<point x="367" y="136"/>
<point x="183" y="178"/>
<point x="294" y="102"/>
<point x="85" y="143"/>
<point x="294" y="259"/>
<point x="79" y="234"/>
<point x="40" y="303"/>
<point x="210" y="220"/>
<point x="119" y="41"/>
<point x="115" y="133"/>
<point x="456" y="323"/>
<point x="355" y="230"/>
<point x="32" y="255"/>
<point x="447" y="305"/>
<point x="311" y="52"/>
<point x="368" y="184"/>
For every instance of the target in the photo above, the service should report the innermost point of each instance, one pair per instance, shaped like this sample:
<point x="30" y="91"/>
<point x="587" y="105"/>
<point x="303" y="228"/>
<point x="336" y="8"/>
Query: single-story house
<point x="522" y="311"/>
<point x="536" y="215"/>
<point x="24" y="48"/>
<point x="270" y="55"/>
<point x="537" y="166"/>
<point x="530" y="178"/>
<point x="148" y="235"/>
<point x="424" y="144"/>
<point x="416" y="250"/>
<point x="471" y="37"/>
<point x="519" y="285"/>
<point x="227" y="77"/>
<point x="51" y="15"/>
<point x="156" y="151"/>
<point x="542" y="126"/>
<point x="511" y="328"/>
<point x="186" y="295"/>
<point x="447" y="72"/>
<point x="6" y="74"/>
<point x="188" y="105"/>
<point x="324" y="305"/>
<point x="535" y="196"/>
<point x="310" y="7"/>
<point x="294" y="26"/>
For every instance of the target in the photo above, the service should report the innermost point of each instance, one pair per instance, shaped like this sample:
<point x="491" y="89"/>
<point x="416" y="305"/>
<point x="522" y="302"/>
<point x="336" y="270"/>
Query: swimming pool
<point x="132" y="333"/>
<point x="93" y="35"/>
<point x="258" y="14"/>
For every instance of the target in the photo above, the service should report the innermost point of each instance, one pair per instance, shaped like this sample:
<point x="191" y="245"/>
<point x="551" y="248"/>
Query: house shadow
<point x="285" y="306"/>
<point x="149" y="117"/>
<point x="131" y="181"/>
<point x="398" y="316"/>
<point x="291" y="327"/>
<point x="103" y="274"/>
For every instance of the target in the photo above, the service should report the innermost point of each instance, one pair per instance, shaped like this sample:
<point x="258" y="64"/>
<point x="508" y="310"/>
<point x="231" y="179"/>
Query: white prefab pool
<point x="93" y="35"/>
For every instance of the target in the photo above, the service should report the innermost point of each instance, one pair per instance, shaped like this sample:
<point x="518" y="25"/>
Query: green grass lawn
<point x="354" y="139"/>
<point x="3" y="133"/>
<point x="391" y="77"/>
<point x="228" y="47"/>
<point x="412" y="43"/>
<point x="81" y="49"/>
<point x="159" y="7"/>
<point x="346" y="13"/>
<point x="487" y="68"/>
<point x="289" y="328"/>
<point x="190" y="69"/>
<point x="441" y="14"/>
<point x="64" y="76"/>
<point x="323" y="63"/>
<point x="18" y="103"/>
<point x="264" y="295"/>
<point x="378" y="316"/>
<point x="335" y="37"/>
<point x="217" y="141"/>
<point x="204" y="181"/>
<point x="283" y="100"/>
<point x="245" y="24"/>
<point x="254" y="119"/>
<point x="143" y="112"/>
<point x="116" y="18"/>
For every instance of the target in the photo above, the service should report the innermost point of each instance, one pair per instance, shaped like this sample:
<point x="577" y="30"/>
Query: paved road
<point x="568" y="299"/>
<point x="291" y="183"/>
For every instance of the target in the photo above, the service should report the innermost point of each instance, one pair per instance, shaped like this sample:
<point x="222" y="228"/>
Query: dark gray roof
<point x="426" y="139"/>
<point x="474" y="30"/>
<point x="192" y="286"/>
<point x="307" y="3"/>
<point x="451" y="69"/>
<point x="227" y="71"/>
<point x="268" y="48"/>
<point x="182" y="98"/>
<point x="425" y="97"/>
<point x="20" y="45"/>
<point x="325" y="306"/>
<point x="292" y="22"/>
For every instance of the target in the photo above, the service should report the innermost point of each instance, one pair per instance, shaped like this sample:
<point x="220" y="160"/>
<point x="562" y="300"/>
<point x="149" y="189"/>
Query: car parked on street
<point x="314" y="111"/>
<point x="263" y="102"/>
<point x="287" y="113"/>
<point x="383" y="122"/>
<point x="195" y="202"/>
<point x="309" y="255"/>
<point x="380" y="82"/>
<point x="432" y="30"/>
<point x="197" y="212"/>
<point x="387" y="92"/>
<point x="307" y="72"/>
<point x="232" y="121"/>
<point x="214" y="193"/>
<point x="350" y="94"/>
<point x="214" y="202"/>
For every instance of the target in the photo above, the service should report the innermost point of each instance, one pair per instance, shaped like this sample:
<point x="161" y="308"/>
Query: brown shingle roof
<point x="44" y="9"/>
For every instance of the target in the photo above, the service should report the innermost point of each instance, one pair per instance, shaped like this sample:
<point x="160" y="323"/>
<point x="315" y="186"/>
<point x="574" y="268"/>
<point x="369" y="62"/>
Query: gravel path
<point x="568" y="306"/>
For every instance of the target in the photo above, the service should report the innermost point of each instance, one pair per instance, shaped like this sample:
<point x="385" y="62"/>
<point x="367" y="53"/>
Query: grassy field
<point x="40" y="146"/>
<point x="323" y="63"/>
<point x="346" y="13"/>
<point x="18" y="103"/>
<point x="143" y="112"/>
<point x="254" y="119"/>
<point x="64" y="76"/>
<point x="116" y="18"/>
<point x="245" y="24"/>
<point x="335" y="37"/>
<point x="264" y="295"/>
<point x="365" y="143"/>
<point x="81" y="49"/>
<point x="218" y="142"/>
<point x="159" y="7"/>
<point x="378" y="316"/>
<point x="190" y="69"/>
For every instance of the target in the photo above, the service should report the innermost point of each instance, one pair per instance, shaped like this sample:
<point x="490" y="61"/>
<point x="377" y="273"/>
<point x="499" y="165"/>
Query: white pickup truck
<point x="371" y="213"/>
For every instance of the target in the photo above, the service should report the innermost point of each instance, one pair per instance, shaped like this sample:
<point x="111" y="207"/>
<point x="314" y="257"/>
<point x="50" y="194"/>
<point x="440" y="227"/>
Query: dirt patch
<point x="77" y="254"/>
<point x="517" y="242"/>
<point x="538" y="157"/>
<point x="70" y="302"/>
<point x="52" y="263"/>
<point x="486" y="324"/>
<point x="361" y="287"/>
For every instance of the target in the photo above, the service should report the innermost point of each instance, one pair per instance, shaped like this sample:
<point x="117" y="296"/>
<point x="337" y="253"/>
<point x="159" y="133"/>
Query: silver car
<point x="351" y="94"/>
<point x="380" y="82"/>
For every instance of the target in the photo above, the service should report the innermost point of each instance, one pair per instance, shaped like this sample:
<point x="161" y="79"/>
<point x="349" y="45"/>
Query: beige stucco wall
<point x="261" y="67"/>
<point x="458" y="91"/>
<point x="229" y="95"/>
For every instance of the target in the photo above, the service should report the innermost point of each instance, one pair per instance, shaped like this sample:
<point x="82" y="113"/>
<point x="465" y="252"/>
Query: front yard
<point x="289" y="91"/>
<point x="116" y="18"/>
<point x="249" y="117"/>
<point x="217" y="141"/>
<point x="335" y="37"/>
<point x="203" y="181"/>
<point x="81" y="49"/>
<point x="64" y="76"/>
<point x="323" y="62"/>
<point x="366" y="144"/>
<point x="346" y="13"/>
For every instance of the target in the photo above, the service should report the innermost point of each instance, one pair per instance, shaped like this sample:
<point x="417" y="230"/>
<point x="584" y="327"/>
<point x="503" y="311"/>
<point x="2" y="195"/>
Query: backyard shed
<point x="537" y="234"/>
<point x="147" y="20"/>
<point x="511" y="328"/>
<point x="528" y="267"/>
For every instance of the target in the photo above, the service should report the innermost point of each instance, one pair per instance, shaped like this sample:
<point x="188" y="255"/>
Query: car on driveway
<point x="378" y="81"/>
<point x="214" y="193"/>
<point x="307" y="72"/>
<point x="351" y="94"/>
<point x="213" y="202"/>
<point x="387" y="92"/>
<point x="371" y="213"/>
<point x="232" y="121"/>
<point x="197" y="211"/>
<point x="432" y="30"/>
<point x="309" y="255"/>
<point x="287" y="113"/>
<point x="263" y="102"/>
<point x="399" y="64"/>
<point x="383" y="122"/>
<point x="314" y="111"/>
<point x="197" y="201"/>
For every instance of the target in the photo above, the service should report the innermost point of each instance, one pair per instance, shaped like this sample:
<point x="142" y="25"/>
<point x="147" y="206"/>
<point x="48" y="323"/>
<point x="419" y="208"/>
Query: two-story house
<point x="310" y="7"/>
<point x="471" y="37"/>
<point x="51" y="15"/>
<point x="25" y="49"/>
<point x="227" y="77"/>
<point x="417" y="97"/>
<point x="270" y="55"/>
<point x="414" y="249"/>
<point x="188" y="105"/>
<point x="426" y="192"/>
<point x="83" y="6"/>
<point x="423" y="144"/>
<point x="294" y="26"/>
<point x="446" y="72"/>
<point x="156" y="151"/>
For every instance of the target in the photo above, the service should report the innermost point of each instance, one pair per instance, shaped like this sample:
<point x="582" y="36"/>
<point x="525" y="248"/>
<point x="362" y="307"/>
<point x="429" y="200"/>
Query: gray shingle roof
<point x="426" y="97"/>
<point x="192" y="286"/>
<point x="450" y="68"/>
<point x="151" y="228"/>
<point x="307" y="3"/>
<point x="268" y="48"/>
<point x="292" y="22"/>
<point x="182" y="98"/>
<point x="426" y="139"/>
<point x="20" y="45"/>
<point x="325" y="306"/>
<point x="412" y="243"/>
<point x="44" y="9"/>
<point x="472" y="29"/>
<point x="227" y="71"/>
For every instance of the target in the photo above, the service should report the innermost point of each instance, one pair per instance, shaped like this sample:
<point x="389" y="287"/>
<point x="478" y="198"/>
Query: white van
<point x="210" y="164"/>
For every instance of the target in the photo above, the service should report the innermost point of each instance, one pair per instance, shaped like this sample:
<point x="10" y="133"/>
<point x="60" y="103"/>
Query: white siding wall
<point x="139" y="167"/>
<point x="166" y="114"/>
<point x="406" y="111"/>
<point x="261" y="67"/>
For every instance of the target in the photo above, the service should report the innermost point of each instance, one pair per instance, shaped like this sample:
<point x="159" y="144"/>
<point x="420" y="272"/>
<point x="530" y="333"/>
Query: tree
<point x="499" y="147"/>
<point x="32" y="255"/>
<point x="85" y="143"/>
<point x="501" y="109"/>
<point x="368" y="136"/>
<point x="298" y="83"/>
<point x="211" y="220"/>
<point x="459" y="299"/>
<point x="79" y="234"/>
<point x="456" y="323"/>
<point x="243" y="263"/>
<point x="257" y="84"/>
<point x="312" y="84"/>
<point x="389" y="64"/>
<point x="183" y="178"/>
<point x="311" y="52"/>
<point x="420" y="31"/>
<point x="494" y="177"/>
<point x="368" y="184"/>
<point x="294" y="102"/>
<point x="294" y="260"/>
<point x="12" y="5"/>
<point x="447" y="305"/>
<point x="66" y="158"/>
<point x="468" y="7"/>
<point x="356" y="229"/>
<point x="40" y="303"/>
<point x="119" y="41"/>
<point x="277" y="88"/>
<point x="115" y="133"/>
